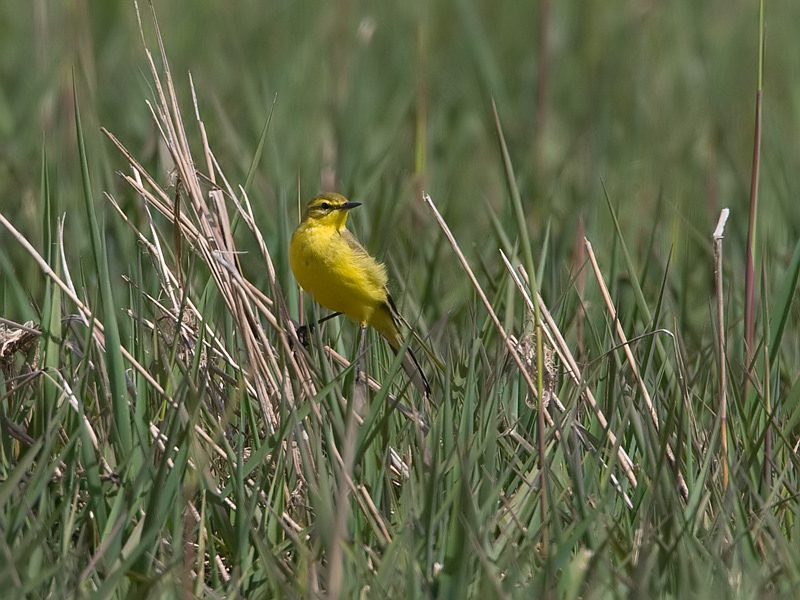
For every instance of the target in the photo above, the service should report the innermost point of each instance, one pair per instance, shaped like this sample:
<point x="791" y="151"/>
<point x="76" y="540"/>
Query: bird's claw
<point x="301" y="331"/>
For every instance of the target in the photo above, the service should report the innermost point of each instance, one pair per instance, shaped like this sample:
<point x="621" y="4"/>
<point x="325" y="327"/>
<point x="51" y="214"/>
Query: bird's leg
<point x="303" y="331"/>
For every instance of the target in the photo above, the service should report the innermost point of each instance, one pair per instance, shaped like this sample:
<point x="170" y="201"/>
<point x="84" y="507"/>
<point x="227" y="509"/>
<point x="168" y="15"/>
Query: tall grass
<point x="597" y="429"/>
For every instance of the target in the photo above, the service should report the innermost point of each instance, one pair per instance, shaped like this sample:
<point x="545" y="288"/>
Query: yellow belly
<point x="337" y="276"/>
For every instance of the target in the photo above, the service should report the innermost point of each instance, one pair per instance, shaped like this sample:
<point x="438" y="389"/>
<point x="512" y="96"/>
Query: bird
<point x="330" y="264"/>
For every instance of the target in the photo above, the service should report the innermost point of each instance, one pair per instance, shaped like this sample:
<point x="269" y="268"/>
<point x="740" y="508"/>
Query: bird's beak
<point x="349" y="205"/>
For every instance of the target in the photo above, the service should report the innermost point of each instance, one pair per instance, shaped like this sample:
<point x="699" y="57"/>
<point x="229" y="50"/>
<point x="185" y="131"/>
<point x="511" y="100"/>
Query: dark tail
<point x="386" y="320"/>
<point x="415" y="374"/>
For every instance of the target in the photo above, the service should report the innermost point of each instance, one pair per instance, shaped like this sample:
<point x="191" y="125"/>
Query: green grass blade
<point x="118" y="392"/>
<point x="784" y="303"/>
<point x="51" y="309"/>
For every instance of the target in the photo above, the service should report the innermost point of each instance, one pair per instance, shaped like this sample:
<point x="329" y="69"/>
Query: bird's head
<point x="328" y="210"/>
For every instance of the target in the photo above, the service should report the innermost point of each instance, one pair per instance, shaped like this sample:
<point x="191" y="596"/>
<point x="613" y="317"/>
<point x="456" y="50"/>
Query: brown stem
<point x="721" y="341"/>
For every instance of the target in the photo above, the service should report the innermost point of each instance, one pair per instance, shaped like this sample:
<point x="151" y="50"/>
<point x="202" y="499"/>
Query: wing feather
<point x="369" y="268"/>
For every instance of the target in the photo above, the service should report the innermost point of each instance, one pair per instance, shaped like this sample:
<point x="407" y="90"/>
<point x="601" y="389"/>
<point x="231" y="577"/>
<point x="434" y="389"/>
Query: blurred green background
<point x="654" y="100"/>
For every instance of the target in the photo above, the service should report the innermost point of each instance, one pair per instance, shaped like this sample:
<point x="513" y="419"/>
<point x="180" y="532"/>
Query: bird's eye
<point x="325" y="206"/>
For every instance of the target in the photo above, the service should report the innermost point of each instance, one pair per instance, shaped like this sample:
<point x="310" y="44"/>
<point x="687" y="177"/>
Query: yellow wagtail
<point x="339" y="273"/>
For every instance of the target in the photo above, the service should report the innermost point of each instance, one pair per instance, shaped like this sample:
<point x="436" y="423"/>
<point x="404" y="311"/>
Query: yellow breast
<point x="336" y="271"/>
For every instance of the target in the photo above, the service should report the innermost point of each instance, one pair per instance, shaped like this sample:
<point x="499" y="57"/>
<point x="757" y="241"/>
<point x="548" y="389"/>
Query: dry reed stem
<point x="205" y="224"/>
<point x="719" y="232"/>
<point x="168" y="280"/>
<point x="683" y="488"/>
<point x="512" y="349"/>
<point x="510" y="346"/>
<point x="558" y="342"/>
<point x="207" y="228"/>
<point x="86" y="313"/>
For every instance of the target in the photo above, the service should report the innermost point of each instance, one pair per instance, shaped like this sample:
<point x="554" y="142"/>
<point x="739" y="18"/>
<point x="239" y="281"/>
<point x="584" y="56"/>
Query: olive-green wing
<point x="371" y="268"/>
<point x="377" y="273"/>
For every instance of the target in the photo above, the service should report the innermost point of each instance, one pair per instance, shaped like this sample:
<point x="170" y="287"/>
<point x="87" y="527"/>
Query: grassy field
<point x="633" y="434"/>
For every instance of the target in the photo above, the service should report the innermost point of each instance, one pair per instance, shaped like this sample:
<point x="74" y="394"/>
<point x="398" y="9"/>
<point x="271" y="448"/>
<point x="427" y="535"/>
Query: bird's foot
<point x="302" y="333"/>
